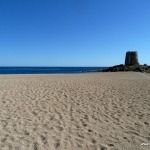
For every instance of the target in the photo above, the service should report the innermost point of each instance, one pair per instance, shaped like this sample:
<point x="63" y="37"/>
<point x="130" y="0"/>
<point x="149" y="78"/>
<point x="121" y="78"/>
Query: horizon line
<point x="53" y="66"/>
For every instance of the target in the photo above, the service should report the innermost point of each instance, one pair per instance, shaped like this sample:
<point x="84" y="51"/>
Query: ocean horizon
<point x="46" y="70"/>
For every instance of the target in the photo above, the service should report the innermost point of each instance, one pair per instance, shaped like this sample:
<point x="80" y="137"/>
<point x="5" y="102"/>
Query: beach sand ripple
<point x="95" y="111"/>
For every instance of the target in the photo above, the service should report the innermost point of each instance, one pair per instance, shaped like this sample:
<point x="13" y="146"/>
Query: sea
<point x="47" y="70"/>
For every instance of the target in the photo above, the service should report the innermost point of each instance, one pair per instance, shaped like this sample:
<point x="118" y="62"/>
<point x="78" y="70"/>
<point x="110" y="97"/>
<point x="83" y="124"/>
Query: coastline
<point x="46" y="70"/>
<point x="75" y="111"/>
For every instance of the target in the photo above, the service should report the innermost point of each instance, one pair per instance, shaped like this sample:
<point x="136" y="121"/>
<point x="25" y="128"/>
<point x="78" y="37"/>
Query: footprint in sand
<point x="102" y="147"/>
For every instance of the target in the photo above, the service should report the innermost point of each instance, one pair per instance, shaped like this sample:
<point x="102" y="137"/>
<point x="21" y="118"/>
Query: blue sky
<point x="73" y="32"/>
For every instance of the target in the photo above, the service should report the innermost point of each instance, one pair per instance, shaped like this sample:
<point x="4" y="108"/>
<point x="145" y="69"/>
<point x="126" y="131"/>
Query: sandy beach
<point x="93" y="111"/>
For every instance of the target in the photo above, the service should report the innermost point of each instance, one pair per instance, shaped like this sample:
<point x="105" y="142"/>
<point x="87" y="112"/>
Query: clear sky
<point x="73" y="32"/>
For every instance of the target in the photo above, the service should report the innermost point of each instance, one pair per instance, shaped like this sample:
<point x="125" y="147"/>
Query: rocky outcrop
<point x="136" y="68"/>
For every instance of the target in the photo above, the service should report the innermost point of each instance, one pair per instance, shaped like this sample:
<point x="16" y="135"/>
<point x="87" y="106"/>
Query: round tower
<point x="131" y="58"/>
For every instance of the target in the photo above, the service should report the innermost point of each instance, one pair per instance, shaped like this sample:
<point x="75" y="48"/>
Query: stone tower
<point x="131" y="58"/>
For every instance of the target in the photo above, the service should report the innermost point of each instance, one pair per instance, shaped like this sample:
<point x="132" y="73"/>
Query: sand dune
<point x="95" y="111"/>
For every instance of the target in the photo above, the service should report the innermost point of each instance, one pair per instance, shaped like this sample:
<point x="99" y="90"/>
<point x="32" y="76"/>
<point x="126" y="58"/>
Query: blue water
<point x="46" y="70"/>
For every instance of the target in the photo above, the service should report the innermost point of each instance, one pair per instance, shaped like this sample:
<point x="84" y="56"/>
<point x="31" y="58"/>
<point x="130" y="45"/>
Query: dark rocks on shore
<point x="120" y="68"/>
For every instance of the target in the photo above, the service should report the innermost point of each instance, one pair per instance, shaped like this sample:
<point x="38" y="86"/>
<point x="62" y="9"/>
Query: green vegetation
<point x="119" y="68"/>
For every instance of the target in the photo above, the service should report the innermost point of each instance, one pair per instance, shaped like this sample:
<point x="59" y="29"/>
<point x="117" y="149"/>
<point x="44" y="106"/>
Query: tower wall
<point x="131" y="58"/>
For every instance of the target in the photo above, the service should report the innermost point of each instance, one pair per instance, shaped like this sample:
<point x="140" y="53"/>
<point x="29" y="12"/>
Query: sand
<point x="94" y="111"/>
